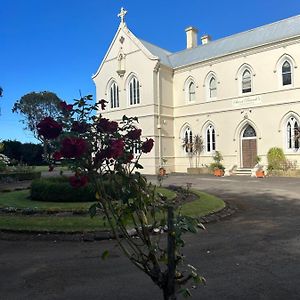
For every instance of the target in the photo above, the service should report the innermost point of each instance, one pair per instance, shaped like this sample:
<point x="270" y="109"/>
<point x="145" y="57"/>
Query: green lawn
<point x="205" y="204"/>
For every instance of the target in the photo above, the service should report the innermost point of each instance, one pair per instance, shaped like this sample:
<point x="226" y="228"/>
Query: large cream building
<point x="241" y="93"/>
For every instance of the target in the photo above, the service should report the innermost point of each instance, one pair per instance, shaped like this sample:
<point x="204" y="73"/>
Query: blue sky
<point x="56" y="45"/>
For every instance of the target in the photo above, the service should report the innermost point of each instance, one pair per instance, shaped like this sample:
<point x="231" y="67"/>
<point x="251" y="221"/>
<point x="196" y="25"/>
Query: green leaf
<point x="93" y="210"/>
<point x="105" y="254"/>
<point x="185" y="292"/>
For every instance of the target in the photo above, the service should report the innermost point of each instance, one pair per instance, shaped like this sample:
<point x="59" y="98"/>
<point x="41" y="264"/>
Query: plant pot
<point x="260" y="174"/>
<point x="162" y="171"/>
<point x="218" y="172"/>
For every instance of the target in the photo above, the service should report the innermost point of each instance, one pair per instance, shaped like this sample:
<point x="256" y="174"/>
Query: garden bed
<point x="64" y="217"/>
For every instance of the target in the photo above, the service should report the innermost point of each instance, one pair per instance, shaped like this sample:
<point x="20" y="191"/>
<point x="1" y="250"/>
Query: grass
<point x="203" y="205"/>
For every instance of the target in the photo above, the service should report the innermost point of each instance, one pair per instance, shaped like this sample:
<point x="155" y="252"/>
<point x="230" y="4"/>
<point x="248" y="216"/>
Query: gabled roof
<point x="266" y="34"/>
<point x="159" y="52"/>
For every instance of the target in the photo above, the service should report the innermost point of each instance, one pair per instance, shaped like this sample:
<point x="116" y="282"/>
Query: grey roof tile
<point x="269" y="33"/>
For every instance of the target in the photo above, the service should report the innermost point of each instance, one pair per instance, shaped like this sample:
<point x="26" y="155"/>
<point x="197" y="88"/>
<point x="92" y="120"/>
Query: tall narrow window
<point x="291" y="134"/>
<point x="134" y="91"/>
<point x="188" y="140"/>
<point x="210" y="139"/>
<point x="114" y="95"/>
<point x="213" y="88"/>
<point x="192" y="94"/>
<point x="286" y="73"/>
<point x="246" y="82"/>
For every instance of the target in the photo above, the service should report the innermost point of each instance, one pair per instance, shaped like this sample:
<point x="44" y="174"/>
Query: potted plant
<point x="194" y="148"/>
<point x="162" y="171"/>
<point x="259" y="173"/>
<point x="217" y="166"/>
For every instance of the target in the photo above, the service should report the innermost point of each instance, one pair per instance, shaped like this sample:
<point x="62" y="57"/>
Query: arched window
<point x="192" y="93"/>
<point x="249" y="132"/>
<point x="134" y="91"/>
<point x="246" y="81"/>
<point x="286" y="73"/>
<point x="114" y="95"/>
<point x="213" y="88"/>
<point x="292" y="127"/>
<point x="188" y="140"/>
<point x="210" y="139"/>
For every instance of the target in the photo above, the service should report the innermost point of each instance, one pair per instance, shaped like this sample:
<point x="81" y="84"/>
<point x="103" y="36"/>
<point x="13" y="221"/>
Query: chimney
<point x="205" y="39"/>
<point x="191" y="37"/>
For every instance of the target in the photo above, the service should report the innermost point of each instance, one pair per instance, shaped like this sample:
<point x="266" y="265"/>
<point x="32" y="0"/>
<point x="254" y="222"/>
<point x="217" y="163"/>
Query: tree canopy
<point x="35" y="106"/>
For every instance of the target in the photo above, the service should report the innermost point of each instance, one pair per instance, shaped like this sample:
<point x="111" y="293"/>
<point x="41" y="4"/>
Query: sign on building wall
<point x="246" y="101"/>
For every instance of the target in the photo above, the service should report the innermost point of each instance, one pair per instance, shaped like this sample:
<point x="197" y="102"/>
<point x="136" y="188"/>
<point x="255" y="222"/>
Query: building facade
<point x="240" y="93"/>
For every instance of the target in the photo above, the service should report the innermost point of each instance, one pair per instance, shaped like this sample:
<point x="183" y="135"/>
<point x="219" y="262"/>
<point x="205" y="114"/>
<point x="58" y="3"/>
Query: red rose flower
<point x="57" y="155"/>
<point x="128" y="158"/>
<point x="147" y="146"/>
<point x="49" y="128"/>
<point x="66" y="107"/>
<point x="78" y="181"/>
<point x="115" y="149"/>
<point x="134" y="134"/>
<point x="80" y="127"/>
<point x="73" y="147"/>
<point x="102" y="102"/>
<point x="106" y="126"/>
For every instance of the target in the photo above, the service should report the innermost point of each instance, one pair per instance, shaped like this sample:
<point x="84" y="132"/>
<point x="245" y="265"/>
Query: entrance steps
<point x="242" y="172"/>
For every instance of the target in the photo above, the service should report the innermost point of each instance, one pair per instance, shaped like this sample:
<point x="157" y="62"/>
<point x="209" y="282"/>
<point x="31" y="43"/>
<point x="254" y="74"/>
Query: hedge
<point x="20" y="176"/>
<point x="58" y="189"/>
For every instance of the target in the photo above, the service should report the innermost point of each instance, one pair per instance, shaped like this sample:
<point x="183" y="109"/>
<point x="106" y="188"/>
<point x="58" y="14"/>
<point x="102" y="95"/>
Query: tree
<point x="36" y="106"/>
<point x="193" y="147"/>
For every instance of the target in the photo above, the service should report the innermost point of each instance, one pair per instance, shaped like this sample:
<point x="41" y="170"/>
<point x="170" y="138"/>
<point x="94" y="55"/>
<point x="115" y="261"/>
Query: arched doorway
<point x="248" y="147"/>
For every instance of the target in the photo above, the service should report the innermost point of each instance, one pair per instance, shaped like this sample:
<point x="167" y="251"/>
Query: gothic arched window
<point x="246" y="81"/>
<point x="210" y="138"/>
<point x="212" y="88"/>
<point x="192" y="93"/>
<point x="114" y="95"/>
<point x="188" y="140"/>
<point x="134" y="91"/>
<point x="286" y="73"/>
<point x="292" y="131"/>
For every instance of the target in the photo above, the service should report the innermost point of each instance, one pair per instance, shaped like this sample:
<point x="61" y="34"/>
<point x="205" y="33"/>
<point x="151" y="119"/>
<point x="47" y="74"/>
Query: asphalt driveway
<point x="254" y="254"/>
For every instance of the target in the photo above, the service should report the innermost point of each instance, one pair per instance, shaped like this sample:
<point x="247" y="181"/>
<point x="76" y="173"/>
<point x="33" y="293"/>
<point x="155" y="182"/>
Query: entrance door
<point x="249" y="147"/>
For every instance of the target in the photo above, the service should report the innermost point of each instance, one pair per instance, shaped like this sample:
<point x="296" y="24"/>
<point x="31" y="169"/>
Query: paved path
<point x="255" y="254"/>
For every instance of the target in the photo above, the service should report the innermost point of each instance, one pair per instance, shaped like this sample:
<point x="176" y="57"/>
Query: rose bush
<point x="106" y="154"/>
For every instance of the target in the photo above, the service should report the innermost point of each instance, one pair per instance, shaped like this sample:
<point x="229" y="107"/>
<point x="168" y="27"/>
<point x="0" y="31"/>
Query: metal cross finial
<point x="122" y="14"/>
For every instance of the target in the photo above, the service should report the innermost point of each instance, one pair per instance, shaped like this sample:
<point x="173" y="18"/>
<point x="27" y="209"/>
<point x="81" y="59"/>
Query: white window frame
<point x="207" y="85"/>
<point x="134" y="91"/>
<point x="210" y="144"/>
<point x="190" y="97"/>
<point x="239" y="78"/>
<point x="291" y="145"/>
<point x="187" y="133"/>
<point x="114" y="96"/>
<point x="243" y="81"/>
<point x="278" y="70"/>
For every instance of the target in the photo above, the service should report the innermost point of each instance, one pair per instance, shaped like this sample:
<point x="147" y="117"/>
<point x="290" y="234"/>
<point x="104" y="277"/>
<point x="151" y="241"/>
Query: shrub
<point x="19" y="176"/>
<point x="58" y="189"/>
<point x="217" y="162"/>
<point x="276" y="159"/>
